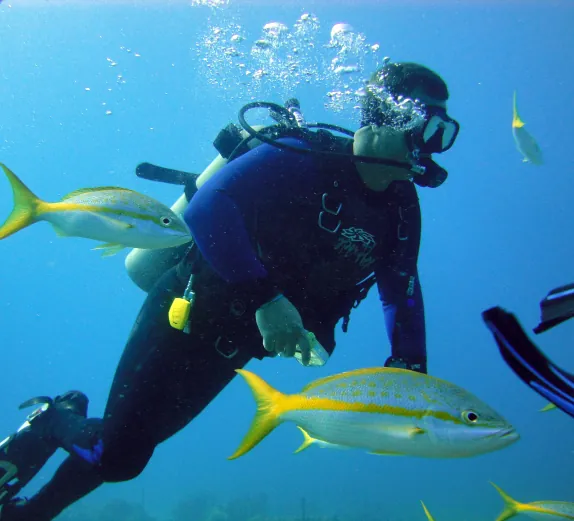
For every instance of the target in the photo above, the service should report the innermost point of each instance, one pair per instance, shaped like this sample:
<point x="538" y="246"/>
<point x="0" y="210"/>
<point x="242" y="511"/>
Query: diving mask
<point x="438" y="132"/>
<point x="435" y="133"/>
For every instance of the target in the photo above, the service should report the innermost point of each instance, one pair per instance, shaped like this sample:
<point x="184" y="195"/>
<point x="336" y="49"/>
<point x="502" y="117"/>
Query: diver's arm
<point x="218" y="228"/>
<point x="401" y="295"/>
<point x="222" y="214"/>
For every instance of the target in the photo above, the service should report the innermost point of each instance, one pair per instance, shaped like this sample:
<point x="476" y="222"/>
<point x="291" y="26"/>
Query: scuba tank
<point x="145" y="267"/>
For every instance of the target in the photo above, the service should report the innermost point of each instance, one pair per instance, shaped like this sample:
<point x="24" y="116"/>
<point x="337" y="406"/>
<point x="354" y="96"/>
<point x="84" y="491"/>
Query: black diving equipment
<point x="24" y="453"/>
<point x="288" y="125"/>
<point x="556" y="307"/>
<point x="169" y="176"/>
<point x="433" y="176"/>
<point x="528" y="361"/>
<point x="438" y="132"/>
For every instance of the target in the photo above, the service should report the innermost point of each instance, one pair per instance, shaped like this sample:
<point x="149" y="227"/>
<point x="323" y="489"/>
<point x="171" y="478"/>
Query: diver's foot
<point x="16" y="510"/>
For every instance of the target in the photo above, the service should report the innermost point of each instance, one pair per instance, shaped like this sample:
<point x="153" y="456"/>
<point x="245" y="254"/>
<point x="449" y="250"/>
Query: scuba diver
<point x="525" y="358"/>
<point x="58" y="423"/>
<point x="292" y="226"/>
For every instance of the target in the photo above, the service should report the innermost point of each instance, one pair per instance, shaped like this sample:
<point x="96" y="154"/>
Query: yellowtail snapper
<point x="117" y="216"/>
<point x="540" y="510"/>
<point x="384" y="411"/>
<point x="525" y="143"/>
<point x="427" y="513"/>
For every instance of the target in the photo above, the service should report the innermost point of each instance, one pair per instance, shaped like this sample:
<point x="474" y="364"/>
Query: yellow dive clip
<point x="180" y="309"/>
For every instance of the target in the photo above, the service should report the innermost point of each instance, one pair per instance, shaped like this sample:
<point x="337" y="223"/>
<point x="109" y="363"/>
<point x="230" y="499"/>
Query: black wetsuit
<point x="59" y="423"/>
<point x="318" y="232"/>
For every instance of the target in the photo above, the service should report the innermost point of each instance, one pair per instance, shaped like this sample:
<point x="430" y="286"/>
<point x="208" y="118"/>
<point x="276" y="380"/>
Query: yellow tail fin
<point x="511" y="506"/>
<point x="428" y="514"/>
<point x="549" y="407"/>
<point x="269" y="407"/>
<point x="516" y="121"/>
<point x="25" y="208"/>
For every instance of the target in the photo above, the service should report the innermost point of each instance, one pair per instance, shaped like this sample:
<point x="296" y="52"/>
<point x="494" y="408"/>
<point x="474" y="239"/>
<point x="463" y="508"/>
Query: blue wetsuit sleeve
<point x="222" y="216"/>
<point x="401" y="295"/>
<point x="219" y="230"/>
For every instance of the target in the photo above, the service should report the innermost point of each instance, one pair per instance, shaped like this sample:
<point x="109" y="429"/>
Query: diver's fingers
<point x="304" y="348"/>
<point x="283" y="346"/>
<point x="270" y="343"/>
<point x="291" y="346"/>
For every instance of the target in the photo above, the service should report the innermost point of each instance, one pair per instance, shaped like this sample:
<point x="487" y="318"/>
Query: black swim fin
<point x="556" y="307"/>
<point x="528" y="362"/>
<point x="38" y="400"/>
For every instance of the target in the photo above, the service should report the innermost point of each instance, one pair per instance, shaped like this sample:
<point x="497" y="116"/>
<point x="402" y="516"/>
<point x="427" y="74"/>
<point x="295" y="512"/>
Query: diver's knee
<point x="418" y="364"/>
<point x="124" y="464"/>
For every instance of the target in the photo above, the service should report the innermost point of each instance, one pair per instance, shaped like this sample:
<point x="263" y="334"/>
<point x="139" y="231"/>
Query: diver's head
<point x="75" y="401"/>
<point x="407" y="80"/>
<point x="413" y="99"/>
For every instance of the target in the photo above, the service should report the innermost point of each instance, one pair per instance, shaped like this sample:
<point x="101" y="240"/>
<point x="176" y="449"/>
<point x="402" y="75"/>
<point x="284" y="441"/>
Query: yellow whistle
<point x="179" y="313"/>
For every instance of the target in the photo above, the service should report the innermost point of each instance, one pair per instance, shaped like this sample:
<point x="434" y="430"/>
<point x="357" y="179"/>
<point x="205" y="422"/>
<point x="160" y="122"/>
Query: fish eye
<point x="165" y="221"/>
<point x="470" y="416"/>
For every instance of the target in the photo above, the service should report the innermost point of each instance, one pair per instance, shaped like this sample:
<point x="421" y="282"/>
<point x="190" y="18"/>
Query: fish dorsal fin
<point x="516" y="121"/>
<point x="82" y="191"/>
<point x="357" y="372"/>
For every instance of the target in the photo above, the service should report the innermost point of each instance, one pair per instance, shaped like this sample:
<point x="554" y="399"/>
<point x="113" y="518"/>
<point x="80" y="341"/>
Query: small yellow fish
<point x="117" y="216"/>
<point x="541" y="510"/>
<point x="549" y="407"/>
<point x="525" y="143"/>
<point x="427" y="513"/>
<point x="384" y="411"/>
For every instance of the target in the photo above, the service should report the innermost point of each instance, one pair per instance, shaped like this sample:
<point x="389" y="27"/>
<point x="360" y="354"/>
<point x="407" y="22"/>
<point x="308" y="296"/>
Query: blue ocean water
<point x="90" y="89"/>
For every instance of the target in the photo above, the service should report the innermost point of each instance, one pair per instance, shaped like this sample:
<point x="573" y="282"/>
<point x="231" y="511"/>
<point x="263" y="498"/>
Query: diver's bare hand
<point x="282" y="329"/>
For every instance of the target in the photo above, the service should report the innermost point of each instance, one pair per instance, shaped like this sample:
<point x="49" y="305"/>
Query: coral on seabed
<point x="205" y="507"/>
<point x="115" y="510"/>
<point x="198" y="507"/>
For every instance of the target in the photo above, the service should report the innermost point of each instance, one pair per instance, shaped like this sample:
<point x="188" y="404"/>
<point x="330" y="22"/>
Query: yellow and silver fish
<point x="427" y="513"/>
<point x="384" y="411"/>
<point x="117" y="216"/>
<point x="525" y="143"/>
<point x="540" y="510"/>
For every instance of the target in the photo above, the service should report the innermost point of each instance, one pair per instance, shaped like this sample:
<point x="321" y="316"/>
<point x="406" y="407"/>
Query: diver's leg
<point x="73" y="480"/>
<point x="76" y="478"/>
<point x="166" y="377"/>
